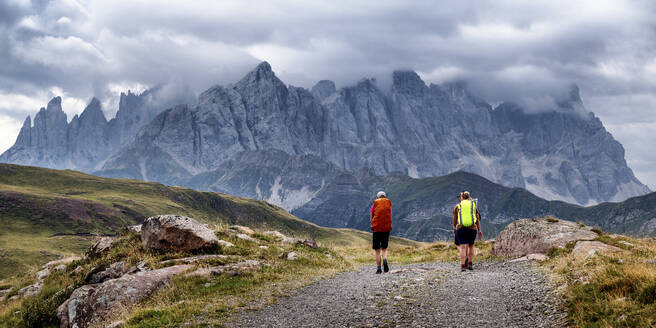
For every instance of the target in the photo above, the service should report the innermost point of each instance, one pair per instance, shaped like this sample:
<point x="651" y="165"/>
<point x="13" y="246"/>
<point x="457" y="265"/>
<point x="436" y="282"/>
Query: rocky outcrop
<point x="91" y="304"/>
<point x="103" y="272"/>
<point x="591" y="248"/>
<point x="41" y="275"/>
<point x="529" y="236"/>
<point x="101" y="246"/>
<point x="242" y="229"/>
<point x="309" y="242"/>
<point x="176" y="233"/>
<point x="233" y="269"/>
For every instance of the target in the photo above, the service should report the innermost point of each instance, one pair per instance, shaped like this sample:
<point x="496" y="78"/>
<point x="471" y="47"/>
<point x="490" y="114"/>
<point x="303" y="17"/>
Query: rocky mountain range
<point x="422" y="131"/>
<point x="89" y="139"/>
<point x="263" y="139"/>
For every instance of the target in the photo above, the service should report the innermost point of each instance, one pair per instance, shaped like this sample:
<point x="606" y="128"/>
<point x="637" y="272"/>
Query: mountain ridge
<point x="416" y="129"/>
<point x="420" y="130"/>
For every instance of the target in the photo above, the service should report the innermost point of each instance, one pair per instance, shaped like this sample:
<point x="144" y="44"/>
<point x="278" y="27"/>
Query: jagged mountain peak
<point x="28" y="122"/>
<point x="93" y="111"/>
<point x="261" y="72"/>
<point x="407" y="81"/>
<point x="54" y="104"/>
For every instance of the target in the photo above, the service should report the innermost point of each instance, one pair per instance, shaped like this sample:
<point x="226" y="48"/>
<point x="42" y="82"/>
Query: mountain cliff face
<point x="89" y="139"/>
<point x="562" y="153"/>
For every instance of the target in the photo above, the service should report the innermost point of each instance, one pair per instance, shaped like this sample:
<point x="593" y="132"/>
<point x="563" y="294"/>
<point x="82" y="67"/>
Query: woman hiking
<point x="466" y="222"/>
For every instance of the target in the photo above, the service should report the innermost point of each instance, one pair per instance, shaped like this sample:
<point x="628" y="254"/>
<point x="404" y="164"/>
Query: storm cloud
<point x="505" y="50"/>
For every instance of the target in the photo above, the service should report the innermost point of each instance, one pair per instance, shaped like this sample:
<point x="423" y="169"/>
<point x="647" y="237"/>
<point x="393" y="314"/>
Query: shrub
<point x="597" y="231"/>
<point x="41" y="310"/>
<point x="557" y="251"/>
<point x="552" y="220"/>
<point x="648" y="294"/>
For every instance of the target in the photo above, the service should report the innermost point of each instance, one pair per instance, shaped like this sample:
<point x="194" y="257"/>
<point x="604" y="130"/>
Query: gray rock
<point x="139" y="267"/>
<point x="31" y="290"/>
<point x="91" y="304"/>
<point x="529" y="236"/>
<point x="197" y="258"/>
<point x="242" y="229"/>
<point x="61" y="267"/>
<point x="232" y="268"/>
<point x="101" y="246"/>
<point x="591" y="248"/>
<point x="66" y="260"/>
<point x="246" y="237"/>
<point x="309" y="242"/>
<point x="275" y="234"/>
<point x="117" y="324"/>
<point x="102" y="273"/>
<point x="177" y="233"/>
<point x="224" y="243"/>
<point x="40" y="275"/>
<point x="292" y="256"/>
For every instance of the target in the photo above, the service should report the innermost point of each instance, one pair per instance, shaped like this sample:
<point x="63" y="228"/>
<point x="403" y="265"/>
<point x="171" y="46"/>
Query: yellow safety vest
<point x="467" y="213"/>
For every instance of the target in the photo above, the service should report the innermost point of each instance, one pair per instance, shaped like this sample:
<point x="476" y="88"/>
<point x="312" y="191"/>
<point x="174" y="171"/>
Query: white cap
<point x="381" y="194"/>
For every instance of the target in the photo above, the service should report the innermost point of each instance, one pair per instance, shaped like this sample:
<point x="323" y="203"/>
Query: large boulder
<point x="530" y="236"/>
<point x="176" y="233"/>
<point x="90" y="305"/>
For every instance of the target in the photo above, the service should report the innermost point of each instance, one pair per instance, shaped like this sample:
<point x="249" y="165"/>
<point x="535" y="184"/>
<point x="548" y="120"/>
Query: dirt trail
<point x="495" y="294"/>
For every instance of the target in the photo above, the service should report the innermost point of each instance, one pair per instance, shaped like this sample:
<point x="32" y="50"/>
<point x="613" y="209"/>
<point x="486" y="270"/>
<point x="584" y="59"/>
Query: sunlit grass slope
<point x="47" y="214"/>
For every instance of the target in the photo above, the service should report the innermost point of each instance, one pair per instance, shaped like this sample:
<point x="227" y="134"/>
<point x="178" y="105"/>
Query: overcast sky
<point x="506" y="50"/>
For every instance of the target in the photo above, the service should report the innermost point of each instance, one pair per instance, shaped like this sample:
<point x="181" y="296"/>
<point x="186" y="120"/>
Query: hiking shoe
<point x="469" y="266"/>
<point x="463" y="269"/>
<point x="379" y="271"/>
<point x="385" y="266"/>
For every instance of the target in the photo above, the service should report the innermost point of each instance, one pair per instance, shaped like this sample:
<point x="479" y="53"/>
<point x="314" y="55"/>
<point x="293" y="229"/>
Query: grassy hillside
<point x="47" y="214"/>
<point x="608" y="290"/>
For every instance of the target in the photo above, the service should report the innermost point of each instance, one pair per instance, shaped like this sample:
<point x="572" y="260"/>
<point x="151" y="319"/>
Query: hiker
<point x="466" y="222"/>
<point x="381" y="225"/>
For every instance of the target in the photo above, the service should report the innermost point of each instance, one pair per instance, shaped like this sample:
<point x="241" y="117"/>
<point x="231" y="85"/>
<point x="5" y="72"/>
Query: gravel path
<point x="495" y="294"/>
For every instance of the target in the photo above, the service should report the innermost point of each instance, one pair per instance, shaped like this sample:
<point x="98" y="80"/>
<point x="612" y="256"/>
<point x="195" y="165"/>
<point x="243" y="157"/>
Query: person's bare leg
<point x="462" y="250"/>
<point x="384" y="253"/>
<point x="377" y="257"/>
<point x="470" y="253"/>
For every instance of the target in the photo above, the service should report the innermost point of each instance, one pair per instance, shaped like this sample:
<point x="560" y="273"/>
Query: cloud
<point x="505" y="50"/>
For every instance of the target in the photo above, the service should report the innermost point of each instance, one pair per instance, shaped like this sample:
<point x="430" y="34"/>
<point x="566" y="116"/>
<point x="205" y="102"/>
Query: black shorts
<point x="381" y="239"/>
<point x="465" y="236"/>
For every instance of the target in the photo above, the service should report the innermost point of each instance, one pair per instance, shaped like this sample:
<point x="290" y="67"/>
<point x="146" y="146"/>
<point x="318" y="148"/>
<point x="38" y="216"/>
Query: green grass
<point x="38" y="203"/>
<point x="24" y="246"/>
<point x="608" y="290"/>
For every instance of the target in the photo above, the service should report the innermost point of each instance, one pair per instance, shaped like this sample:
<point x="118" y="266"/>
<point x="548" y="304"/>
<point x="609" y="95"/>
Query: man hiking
<point x="466" y="221"/>
<point x="381" y="225"/>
